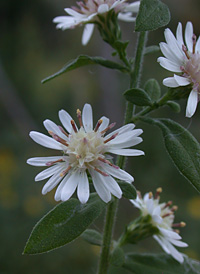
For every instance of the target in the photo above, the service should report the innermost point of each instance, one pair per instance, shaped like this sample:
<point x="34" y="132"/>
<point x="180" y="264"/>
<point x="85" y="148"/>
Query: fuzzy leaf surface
<point x="153" y="14"/>
<point x="129" y="191"/>
<point x="138" y="97"/>
<point x="153" y="89"/>
<point x="92" y="236"/>
<point x="84" y="60"/>
<point x="64" y="223"/>
<point x="182" y="147"/>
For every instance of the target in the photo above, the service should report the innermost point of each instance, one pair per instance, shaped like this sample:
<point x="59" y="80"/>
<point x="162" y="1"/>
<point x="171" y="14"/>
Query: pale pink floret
<point x="182" y="58"/>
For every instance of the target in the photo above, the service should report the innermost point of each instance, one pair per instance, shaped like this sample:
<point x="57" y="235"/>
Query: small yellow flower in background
<point x="193" y="207"/>
<point x="33" y="206"/>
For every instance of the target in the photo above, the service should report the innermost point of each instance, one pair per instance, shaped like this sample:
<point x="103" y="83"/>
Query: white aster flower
<point x="84" y="151"/>
<point x="183" y="59"/>
<point x="162" y="217"/>
<point x="87" y="13"/>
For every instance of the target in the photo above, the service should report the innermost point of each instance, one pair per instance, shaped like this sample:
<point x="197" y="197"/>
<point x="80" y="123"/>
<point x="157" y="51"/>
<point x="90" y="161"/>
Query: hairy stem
<point x="112" y="206"/>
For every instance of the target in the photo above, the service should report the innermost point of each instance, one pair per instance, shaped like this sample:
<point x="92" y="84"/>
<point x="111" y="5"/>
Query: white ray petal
<point x="173" y="44"/>
<point x="51" y="183"/>
<point x="83" y="190"/>
<point x="49" y="172"/>
<point x="170" y="82"/>
<point x="182" y="81"/>
<point x="197" y="48"/>
<point x="105" y="123"/>
<point x="126" y="17"/>
<point x="118" y="173"/>
<point x="188" y="36"/>
<point x="133" y="7"/>
<point x="41" y="161"/>
<point x="178" y="243"/>
<point x="192" y="103"/>
<point x="125" y="137"/>
<point x="169" y="65"/>
<point x="87" y="33"/>
<point x="169" y="54"/>
<point x="101" y="190"/>
<point x="64" y="22"/>
<point x="179" y="35"/>
<point x="46" y="141"/>
<point x="129" y="143"/>
<point x="70" y="186"/>
<point x="87" y="118"/>
<point x="74" y="13"/>
<point x="169" y="233"/>
<point x="126" y="152"/>
<point x="121" y="130"/>
<point x="112" y="186"/>
<point x="161" y="243"/>
<point x="51" y="126"/>
<point x="174" y="252"/>
<point x="59" y="189"/>
<point x="65" y="119"/>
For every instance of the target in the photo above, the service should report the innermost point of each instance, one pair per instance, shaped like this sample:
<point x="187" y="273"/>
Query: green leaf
<point x="153" y="14"/>
<point x="174" y="106"/>
<point x="159" y="263"/>
<point x="153" y="89"/>
<point x="84" y="60"/>
<point x="92" y="236"/>
<point x="63" y="224"/>
<point x="138" y="97"/>
<point x="129" y="191"/>
<point x="117" y="257"/>
<point x="151" y="49"/>
<point x="182" y="147"/>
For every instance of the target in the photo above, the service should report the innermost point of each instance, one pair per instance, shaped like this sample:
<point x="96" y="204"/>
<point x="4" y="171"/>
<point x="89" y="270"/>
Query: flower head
<point x="87" y="12"/>
<point x="182" y="58"/>
<point x="162" y="218"/>
<point x="84" y="151"/>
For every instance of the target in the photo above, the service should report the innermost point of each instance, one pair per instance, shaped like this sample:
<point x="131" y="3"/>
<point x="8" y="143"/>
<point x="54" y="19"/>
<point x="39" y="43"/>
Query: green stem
<point x="134" y="82"/>
<point x="166" y="97"/>
<point x="107" y="237"/>
<point x="112" y="206"/>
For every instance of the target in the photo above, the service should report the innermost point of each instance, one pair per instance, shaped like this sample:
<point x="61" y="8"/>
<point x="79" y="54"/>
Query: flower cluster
<point x="162" y="218"/>
<point x="184" y="59"/>
<point x="87" y="13"/>
<point x="84" y="151"/>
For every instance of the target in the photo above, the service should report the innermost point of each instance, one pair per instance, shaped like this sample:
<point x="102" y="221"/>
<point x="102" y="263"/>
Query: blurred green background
<point x="30" y="49"/>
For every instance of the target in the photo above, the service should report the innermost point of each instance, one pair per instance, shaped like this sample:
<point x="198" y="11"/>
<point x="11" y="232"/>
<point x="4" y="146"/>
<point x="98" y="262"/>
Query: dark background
<point x="30" y="49"/>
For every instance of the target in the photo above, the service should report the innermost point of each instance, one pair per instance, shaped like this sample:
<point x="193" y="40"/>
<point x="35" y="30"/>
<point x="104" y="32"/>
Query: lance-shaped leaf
<point x="84" y="60"/>
<point x="182" y="147"/>
<point x="63" y="224"/>
<point x="159" y="263"/>
<point x="153" y="14"/>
